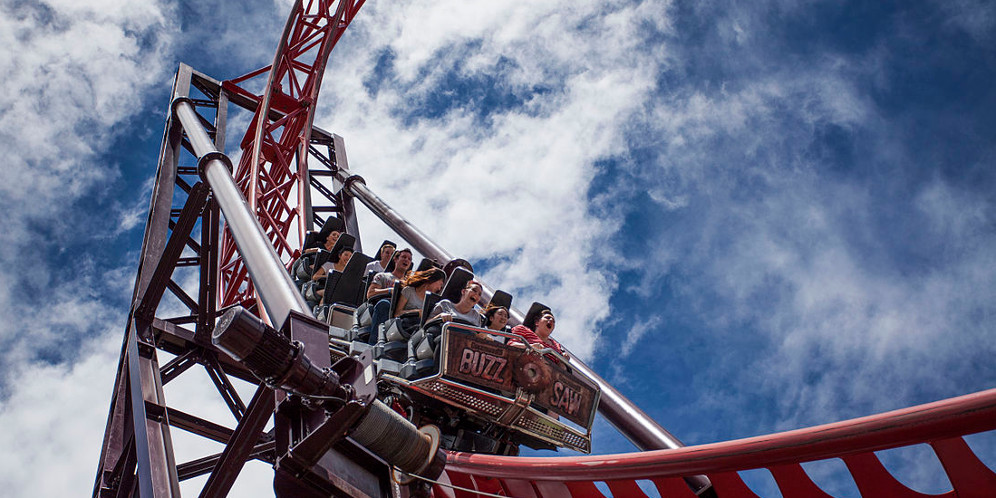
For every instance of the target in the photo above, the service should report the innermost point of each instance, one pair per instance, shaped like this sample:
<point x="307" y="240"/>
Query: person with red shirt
<point x="536" y="329"/>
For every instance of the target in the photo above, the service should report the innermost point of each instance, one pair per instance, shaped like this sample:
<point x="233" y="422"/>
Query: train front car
<point x="485" y="395"/>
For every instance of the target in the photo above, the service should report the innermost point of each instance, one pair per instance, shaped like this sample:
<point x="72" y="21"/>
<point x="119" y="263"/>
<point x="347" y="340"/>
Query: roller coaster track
<point x="277" y="182"/>
<point x="941" y="425"/>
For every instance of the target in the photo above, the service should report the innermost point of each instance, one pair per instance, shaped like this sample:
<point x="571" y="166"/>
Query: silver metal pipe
<point x="273" y="283"/>
<point x="279" y="296"/>
<point x="355" y="186"/>
<point x="419" y="241"/>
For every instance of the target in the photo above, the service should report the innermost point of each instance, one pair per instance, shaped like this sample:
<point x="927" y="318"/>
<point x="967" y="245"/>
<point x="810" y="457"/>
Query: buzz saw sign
<point x="477" y="357"/>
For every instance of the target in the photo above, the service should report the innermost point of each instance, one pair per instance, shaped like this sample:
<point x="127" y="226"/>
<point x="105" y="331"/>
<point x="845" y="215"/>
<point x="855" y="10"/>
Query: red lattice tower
<point x="272" y="172"/>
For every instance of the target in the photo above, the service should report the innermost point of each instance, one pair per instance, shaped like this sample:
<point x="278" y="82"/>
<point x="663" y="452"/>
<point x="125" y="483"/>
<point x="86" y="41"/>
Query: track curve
<point x="941" y="425"/>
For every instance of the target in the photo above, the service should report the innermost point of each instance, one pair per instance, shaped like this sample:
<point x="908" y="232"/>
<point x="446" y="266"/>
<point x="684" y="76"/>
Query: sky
<point x="748" y="217"/>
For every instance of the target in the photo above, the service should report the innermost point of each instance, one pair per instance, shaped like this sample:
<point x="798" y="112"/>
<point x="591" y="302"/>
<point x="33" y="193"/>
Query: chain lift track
<point x="274" y="179"/>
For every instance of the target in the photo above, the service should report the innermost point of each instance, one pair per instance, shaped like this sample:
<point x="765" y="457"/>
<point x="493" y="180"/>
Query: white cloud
<point x="59" y="412"/>
<point x="636" y="332"/>
<point x="838" y="335"/>
<point x="55" y="415"/>
<point x="975" y="17"/>
<point x="821" y="294"/>
<point x="840" y="325"/>
<point x="130" y="216"/>
<point x="62" y="103"/>
<point x="73" y="74"/>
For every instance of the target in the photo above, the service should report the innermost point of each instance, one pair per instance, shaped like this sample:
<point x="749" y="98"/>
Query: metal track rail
<point x="941" y="425"/>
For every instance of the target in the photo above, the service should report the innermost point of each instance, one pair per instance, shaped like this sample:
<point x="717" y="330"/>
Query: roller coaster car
<point x="489" y="397"/>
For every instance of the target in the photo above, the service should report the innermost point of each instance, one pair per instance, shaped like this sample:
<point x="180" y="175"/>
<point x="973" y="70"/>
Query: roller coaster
<point x="436" y="409"/>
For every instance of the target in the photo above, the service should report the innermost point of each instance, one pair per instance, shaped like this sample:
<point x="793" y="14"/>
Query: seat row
<point x="407" y="345"/>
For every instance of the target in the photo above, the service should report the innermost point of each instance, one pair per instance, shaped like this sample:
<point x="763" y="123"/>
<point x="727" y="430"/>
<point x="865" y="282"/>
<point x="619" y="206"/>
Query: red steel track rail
<point x="272" y="172"/>
<point x="941" y="425"/>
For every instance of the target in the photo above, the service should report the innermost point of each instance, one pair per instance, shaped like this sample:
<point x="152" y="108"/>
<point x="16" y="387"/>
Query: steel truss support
<point x="273" y="176"/>
<point x="127" y="449"/>
<point x="137" y="456"/>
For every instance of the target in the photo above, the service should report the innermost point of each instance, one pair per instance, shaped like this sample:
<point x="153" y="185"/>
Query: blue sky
<point x="749" y="217"/>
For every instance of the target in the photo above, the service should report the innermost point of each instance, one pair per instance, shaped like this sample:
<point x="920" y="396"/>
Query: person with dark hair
<point x="536" y="329"/>
<point x="398" y="268"/>
<point x="383" y="257"/>
<point x="336" y="262"/>
<point x="381" y="286"/>
<point x="334" y="227"/>
<point x="462" y="311"/>
<point x="332" y="239"/>
<point x="496" y="318"/>
<point x="341" y="257"/>
<point x="415" y="286"/>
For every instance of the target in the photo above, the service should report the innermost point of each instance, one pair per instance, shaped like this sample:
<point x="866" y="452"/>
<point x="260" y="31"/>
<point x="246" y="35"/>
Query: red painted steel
<point x="941" y="425"/>
<point x="272" y="172"/>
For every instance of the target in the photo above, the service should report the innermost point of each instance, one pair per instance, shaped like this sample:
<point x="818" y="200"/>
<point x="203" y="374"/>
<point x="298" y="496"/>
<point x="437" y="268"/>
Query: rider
<point x="380" y="288"/>
<point x="464" y="310"/>
<point x="536" y="329"/>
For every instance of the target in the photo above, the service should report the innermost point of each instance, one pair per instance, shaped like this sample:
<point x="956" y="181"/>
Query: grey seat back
<point x="455" y="284"/>
<point x="430" y="302"/>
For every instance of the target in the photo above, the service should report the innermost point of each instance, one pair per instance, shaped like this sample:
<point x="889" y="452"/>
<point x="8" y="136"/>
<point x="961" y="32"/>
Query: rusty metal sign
<point x="472" y="357"/>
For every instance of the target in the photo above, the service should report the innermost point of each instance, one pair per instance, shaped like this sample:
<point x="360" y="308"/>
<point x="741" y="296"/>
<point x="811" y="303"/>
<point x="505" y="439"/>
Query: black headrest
<point x="395" y="295"/>
<point x="501" y="298"/>
<point x="339" y="249"/>
<point x="430" y="302"/>
<point x="350" y="288"/>
<point x="534" y="312"/>
<point x="331" y="223"/>
<point x="427" y="263"/>
<point x="322" y="258"/>
<point x="345" y="240"/>
<point x="381" y="246"/>
<point x="457" y="263"/>
<point x="457" y="281"/>
<point x="312" y="239"/>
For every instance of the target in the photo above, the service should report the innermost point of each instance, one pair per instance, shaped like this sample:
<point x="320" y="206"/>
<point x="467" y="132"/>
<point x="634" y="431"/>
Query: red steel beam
<point x="274" y="149"/>
<point x="940" y="424"/>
